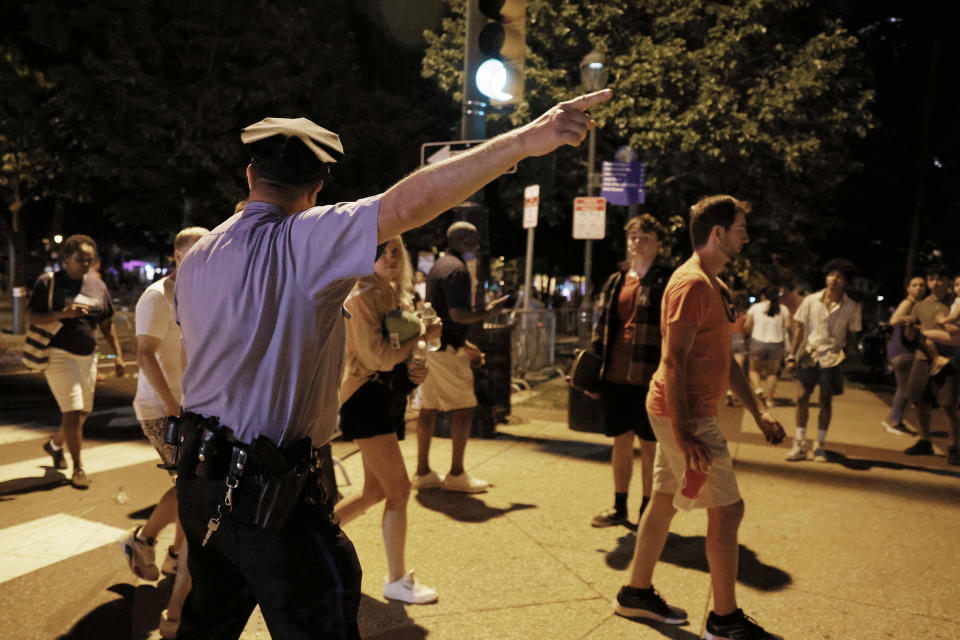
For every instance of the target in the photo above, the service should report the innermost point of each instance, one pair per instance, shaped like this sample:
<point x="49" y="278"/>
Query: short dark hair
<point x="938" y="269"/>
<point x="75" y="242"/>
<point x="712" y="211"/>
<point x="845" y="267"/>
<point x="647" y="224"/>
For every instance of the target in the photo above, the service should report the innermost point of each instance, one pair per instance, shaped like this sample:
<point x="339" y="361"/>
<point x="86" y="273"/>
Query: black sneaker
<point x="648" y="604"/>
<point x="919" y="448"/>
<point x="57" y="455"/>
<point x="742" y="627"/>
<point x="609" y="518"/>
<point x="898" y="429"/>
<point x="953" y="456"/>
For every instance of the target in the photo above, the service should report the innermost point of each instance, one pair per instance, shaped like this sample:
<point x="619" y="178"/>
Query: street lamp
<point x="593" y="75"/>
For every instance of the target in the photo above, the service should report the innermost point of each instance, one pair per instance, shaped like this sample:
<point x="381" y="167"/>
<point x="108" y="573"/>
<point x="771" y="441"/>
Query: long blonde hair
<point x="403" y="283"/>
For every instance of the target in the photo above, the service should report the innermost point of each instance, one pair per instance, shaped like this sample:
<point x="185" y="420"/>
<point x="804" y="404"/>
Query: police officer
<point x="259" y="301"/>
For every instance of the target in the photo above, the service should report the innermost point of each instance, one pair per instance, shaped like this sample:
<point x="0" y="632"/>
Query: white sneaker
<point x="408" y="590"/>
<point x="140" y="555"/>
<point x="798" y="451"/>
<point x="820" y="454"/>
<point x="465" y="483"/>
<point x="168" y="628"/>
<point x="169" y="567"/>
<point x="429" y="481"/>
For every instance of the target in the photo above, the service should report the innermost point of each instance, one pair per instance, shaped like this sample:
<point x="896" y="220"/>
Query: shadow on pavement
<point x="132" y="616"/>
<point x="464" y="507"/>
<point x="387" y="620"/>
<point x="569" y="448"/>
<point x="916" y="487"/>
<point x="675" y="632"/>
<point x="860" y="464"/>
<point x="51" y="479"/>
<point x="689" y="552"/>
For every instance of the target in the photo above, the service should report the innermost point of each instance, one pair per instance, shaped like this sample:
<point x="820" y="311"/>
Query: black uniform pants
<point x="306" y="577"/>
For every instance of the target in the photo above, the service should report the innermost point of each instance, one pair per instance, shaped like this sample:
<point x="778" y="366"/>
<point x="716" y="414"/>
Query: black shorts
<point x="626" y="409"/>
<point x="373" y="410"/>
<point x="830" y="379"/>
<point x="940" y="390"/>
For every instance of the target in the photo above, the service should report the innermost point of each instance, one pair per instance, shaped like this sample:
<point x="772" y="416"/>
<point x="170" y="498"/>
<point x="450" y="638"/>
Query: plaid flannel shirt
<point x="646" y="338"/>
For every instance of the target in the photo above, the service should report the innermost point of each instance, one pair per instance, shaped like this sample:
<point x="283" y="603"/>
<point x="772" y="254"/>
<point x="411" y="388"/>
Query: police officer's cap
<point x="291" y="151"/>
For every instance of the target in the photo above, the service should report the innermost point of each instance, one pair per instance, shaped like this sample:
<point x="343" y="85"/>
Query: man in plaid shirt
<point x="627" y="337"/>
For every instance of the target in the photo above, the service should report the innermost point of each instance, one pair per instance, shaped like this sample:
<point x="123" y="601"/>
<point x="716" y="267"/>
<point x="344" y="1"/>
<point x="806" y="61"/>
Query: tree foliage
<point x="143" y="101"/>
<point x="758" y="98"/>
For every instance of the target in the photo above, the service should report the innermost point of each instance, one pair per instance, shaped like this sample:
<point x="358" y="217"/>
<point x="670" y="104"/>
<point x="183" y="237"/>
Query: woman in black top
<point x="81" y="303"/>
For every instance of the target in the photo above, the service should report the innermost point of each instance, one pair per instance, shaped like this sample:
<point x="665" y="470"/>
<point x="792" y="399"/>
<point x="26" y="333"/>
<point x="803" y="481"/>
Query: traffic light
<point x="497" y="46"/>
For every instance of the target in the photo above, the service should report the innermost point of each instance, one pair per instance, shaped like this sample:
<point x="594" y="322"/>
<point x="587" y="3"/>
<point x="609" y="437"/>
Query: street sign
<point x="624" y="183"/>
<point x="531" y="206"/>
<point x="589" y="218"/>
<point x="434" y="152"/>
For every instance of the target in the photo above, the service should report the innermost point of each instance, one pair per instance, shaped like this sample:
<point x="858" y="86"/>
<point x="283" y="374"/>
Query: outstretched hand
<point x="566" y="123"/>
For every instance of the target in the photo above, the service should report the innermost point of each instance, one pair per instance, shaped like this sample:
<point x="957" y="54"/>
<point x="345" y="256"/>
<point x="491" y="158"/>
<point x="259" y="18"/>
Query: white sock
<point x="53" y="445"/>
<point x="821" y="437"/>
<point x="801" y="434"/>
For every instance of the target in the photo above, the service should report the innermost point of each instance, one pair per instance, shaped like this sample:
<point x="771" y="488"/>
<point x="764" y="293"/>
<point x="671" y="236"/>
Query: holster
<point x="283" y="475"/>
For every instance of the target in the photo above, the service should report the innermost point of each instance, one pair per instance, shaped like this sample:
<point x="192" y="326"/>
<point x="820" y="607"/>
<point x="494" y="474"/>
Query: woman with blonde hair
<point x="382" y="333"/>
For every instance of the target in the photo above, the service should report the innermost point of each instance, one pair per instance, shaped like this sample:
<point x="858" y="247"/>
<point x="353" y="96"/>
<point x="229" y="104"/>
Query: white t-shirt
<point x="826" y="325"/>
<point x="766" y="328"/>
<point x="155" y="318"/>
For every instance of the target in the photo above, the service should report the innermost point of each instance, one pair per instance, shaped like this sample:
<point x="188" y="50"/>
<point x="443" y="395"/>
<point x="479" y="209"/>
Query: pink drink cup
<point x="693" y="481"/>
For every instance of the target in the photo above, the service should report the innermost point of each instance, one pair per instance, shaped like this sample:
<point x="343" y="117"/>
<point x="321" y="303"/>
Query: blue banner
<point x="624" y="183"/>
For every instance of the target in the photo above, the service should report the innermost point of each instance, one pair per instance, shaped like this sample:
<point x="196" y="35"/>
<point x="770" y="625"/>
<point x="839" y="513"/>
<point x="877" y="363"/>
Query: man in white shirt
<point x="824" y="325"/>
<point x="159" y="356"/>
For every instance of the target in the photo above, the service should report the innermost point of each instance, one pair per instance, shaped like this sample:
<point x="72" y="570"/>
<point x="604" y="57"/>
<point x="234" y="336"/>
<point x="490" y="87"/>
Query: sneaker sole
<point x="643" y="614"/>
<point x="128" y="554"/>
<point x="609" y="523"/>
<point x="709" y="636"/>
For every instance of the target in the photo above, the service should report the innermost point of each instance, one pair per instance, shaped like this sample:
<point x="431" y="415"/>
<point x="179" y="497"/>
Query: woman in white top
<point x="768" y="323"/>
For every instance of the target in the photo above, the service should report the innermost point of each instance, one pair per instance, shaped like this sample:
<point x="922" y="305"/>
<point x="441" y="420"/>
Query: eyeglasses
<point x="728" y="305"/>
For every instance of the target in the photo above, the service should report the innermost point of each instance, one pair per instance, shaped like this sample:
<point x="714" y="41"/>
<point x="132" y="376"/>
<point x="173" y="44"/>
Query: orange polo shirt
<point x="693" y="297"/>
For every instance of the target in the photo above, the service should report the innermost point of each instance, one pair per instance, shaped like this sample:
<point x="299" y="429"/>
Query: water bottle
<point x="419" y="358"/>
<point x="429" y="316"/>
<point x="122" y="497"/>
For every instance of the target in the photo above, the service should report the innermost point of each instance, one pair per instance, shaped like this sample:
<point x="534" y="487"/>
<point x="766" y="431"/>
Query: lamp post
<point x="593" y="76"/>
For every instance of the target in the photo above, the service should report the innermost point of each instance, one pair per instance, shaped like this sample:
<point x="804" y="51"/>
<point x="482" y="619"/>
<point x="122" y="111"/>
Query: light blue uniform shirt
<point x="259" y="301"/>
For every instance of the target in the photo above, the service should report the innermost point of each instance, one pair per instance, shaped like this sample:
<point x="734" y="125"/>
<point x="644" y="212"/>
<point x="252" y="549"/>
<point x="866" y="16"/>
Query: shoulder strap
<point x="50" y="293"/>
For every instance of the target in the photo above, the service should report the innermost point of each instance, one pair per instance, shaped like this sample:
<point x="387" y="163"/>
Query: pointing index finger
<point x="584" y="102"/>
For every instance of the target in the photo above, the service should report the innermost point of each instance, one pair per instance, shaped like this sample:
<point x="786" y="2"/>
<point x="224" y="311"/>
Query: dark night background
<point x="150" y="125"/>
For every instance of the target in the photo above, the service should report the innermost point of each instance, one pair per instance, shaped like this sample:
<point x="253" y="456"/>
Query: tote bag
<point x="35" y="350"/>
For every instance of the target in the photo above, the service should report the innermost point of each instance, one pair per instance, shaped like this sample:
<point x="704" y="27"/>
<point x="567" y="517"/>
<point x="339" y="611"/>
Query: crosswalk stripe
<point x="10" y="434"/>
<point x="95" y="459"/>
<point x="26" y="547"/>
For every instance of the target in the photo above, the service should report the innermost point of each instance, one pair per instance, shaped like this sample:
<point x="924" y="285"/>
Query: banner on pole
<point x="624" y="183"/>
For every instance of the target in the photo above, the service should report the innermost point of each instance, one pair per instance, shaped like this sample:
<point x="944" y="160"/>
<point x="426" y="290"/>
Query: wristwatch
<point x="791" y="358"/>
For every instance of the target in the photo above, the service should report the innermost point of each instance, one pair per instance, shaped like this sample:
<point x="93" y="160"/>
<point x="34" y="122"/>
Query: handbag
<point x="585" y="371"/>
<point x="35" y="355"/>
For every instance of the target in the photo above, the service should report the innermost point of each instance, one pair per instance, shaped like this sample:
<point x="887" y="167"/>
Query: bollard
<point x="19" y="310"/>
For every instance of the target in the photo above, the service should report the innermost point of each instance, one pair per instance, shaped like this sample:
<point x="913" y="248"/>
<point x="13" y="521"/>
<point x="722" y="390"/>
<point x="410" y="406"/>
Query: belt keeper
<point x="206" y="444"/>
<point x="238" y="461"/>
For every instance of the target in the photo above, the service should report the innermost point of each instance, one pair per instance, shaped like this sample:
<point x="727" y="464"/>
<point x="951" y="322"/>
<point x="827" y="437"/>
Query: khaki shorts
<point x="449" y="385"/>
<point x="72" y="379"/>
<point x="669" y="466"/>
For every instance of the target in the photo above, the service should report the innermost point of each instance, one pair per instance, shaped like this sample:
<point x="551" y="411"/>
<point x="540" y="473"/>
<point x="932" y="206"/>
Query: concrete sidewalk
<point x="864" y="546"/>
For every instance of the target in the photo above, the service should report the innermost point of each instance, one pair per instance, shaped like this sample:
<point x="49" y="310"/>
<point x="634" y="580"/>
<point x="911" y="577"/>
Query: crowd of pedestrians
<point x="239" y="349"/>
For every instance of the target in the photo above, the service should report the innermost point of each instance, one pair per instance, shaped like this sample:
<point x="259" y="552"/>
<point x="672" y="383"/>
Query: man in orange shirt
<point x="696" y="368"/>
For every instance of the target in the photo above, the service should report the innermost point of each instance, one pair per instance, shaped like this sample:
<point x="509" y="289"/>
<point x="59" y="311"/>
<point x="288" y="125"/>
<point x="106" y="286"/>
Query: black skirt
<point x="378" y="406"/>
